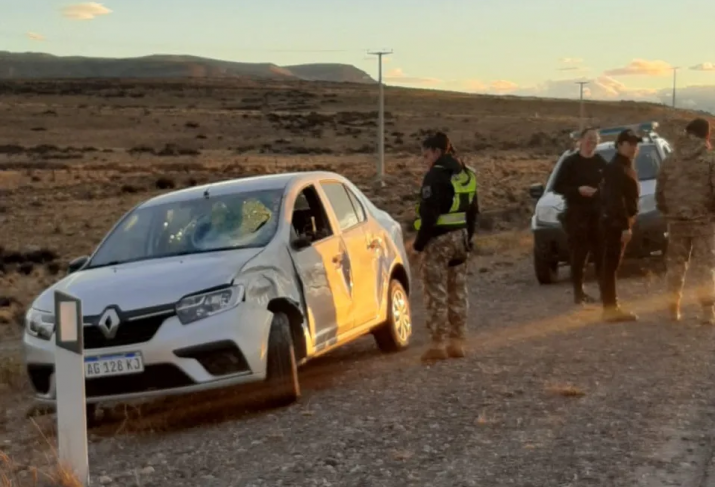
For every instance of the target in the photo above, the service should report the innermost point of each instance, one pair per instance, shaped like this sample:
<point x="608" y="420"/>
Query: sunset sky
<point x="528" y="47"/>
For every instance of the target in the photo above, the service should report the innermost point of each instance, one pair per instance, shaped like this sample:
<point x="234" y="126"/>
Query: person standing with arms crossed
<point x="685" y="195"/>
<point x="578" y="181"/>
<point x="620" y="197"/>
<point x="447" y="216"/>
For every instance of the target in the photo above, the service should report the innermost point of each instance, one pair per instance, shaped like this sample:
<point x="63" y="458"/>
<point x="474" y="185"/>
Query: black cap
<point x="628" y="135"/>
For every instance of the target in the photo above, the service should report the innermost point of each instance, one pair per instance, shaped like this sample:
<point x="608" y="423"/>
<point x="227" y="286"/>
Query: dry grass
<point x="12" y="376"/>
<point x="565" y="390"/>
<point x="54" y="474"/>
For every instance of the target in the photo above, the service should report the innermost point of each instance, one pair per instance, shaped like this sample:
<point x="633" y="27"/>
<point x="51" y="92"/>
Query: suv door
<point x="362" y="246"/>
<point x="320" y="267"/>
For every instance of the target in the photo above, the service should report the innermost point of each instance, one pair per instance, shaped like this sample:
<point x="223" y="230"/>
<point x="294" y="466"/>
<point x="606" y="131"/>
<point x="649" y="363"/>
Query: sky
<point x="626" y="50"/>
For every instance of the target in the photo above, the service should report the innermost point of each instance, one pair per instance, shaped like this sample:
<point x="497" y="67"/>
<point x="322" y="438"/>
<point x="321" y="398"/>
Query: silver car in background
<point x="230" y="283"/>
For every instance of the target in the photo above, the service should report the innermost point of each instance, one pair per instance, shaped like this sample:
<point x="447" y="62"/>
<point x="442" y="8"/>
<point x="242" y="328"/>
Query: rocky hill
<point x="40" y="65"/>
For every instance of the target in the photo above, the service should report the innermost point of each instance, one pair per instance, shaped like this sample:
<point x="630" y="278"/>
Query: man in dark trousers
<point x="578" y="181"/>
<point x="621" y="193"/>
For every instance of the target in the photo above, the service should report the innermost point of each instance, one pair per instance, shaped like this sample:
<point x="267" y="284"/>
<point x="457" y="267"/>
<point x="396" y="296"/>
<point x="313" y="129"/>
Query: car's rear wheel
<point x="547" y="270"/>
<point x="282" y="367"/>
<point x="394" y="335"/>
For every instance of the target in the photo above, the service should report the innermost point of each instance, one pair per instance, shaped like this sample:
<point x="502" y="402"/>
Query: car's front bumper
<point x="649" y="238"/>
<point x="225" y="349"/>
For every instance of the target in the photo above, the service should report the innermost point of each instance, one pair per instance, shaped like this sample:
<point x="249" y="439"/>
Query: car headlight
<point x="547" y="214"/>
<point x="199" y="306"/>
<point x="39" y="324"/>
<point x="646" y="204"/>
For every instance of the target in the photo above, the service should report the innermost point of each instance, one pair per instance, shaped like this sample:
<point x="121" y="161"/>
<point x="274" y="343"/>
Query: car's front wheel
<point x="282" y="367"/>
<point x="547" y="270"/>
<point x="394" y="335"/>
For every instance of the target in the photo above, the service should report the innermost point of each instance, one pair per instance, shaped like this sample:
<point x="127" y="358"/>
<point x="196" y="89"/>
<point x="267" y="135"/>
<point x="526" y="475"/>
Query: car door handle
<point x="338" y="259"/>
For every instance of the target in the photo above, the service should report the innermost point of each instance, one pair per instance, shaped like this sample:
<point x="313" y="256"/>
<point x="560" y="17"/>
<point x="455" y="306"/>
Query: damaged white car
<point x="229" y="283"/>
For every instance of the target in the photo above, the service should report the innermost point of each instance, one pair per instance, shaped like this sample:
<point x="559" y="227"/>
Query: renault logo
<point x="109" y="323"/>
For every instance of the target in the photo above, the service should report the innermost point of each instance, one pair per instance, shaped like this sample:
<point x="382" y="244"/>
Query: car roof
<point x="241" y="185"/>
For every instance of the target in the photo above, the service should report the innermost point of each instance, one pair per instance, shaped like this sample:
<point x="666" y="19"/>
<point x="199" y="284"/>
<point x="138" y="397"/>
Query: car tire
<point x="394" y="335"/>
<point x="282" y="367"/>
<point x="547" y="270"/>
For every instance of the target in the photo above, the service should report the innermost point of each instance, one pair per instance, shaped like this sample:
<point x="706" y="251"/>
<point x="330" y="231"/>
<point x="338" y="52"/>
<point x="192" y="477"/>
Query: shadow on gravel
<point x="240" y="402"/>
<point x="630" y="269"/>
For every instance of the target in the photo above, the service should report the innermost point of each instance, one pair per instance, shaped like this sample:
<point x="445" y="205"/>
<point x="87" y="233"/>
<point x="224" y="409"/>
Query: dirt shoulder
<point x="548" y="396"/>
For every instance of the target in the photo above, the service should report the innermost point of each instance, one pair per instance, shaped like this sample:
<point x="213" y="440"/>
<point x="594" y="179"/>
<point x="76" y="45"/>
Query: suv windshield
<point x="227" y="222"/>
<point x="646" y="164"/>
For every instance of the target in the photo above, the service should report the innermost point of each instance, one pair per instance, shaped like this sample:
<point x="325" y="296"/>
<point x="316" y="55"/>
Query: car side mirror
<point x="77" y="264"/>
<point x="300" y="243"/>
<point x="536" y="191"/>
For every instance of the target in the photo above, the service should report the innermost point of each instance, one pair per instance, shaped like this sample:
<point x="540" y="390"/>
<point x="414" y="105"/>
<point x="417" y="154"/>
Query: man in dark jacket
<point x="445" y="225"/>
<point x="578" y="181"/>
<point x="621" y="193"/>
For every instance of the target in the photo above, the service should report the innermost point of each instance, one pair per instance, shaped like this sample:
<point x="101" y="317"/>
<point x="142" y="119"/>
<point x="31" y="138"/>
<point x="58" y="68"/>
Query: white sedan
<point x="229" y="283"/>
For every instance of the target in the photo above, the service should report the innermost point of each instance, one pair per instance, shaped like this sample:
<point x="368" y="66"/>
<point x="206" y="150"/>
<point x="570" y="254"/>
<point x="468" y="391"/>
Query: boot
<point x="455" y="349"/>
<point x="707" y="316"/>
<point x="618" y="315"/>
<point x="434" y="353"/>
<point x="674" y="310"/>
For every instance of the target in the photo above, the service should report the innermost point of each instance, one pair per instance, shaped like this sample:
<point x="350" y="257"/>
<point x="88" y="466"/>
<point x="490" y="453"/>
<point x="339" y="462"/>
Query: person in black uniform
<point x="621" y="193"/>
<point x="446" y="221"/>
<point x="578" y="182"/>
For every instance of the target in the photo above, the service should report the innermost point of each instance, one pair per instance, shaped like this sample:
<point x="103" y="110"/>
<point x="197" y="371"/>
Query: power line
<point x="381" y="120"/>
<point x="53" y="40"/>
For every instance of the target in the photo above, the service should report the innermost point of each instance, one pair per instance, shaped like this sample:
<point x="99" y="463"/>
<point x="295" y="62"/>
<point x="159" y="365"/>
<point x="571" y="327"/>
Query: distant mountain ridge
<point x="35" y="65"/>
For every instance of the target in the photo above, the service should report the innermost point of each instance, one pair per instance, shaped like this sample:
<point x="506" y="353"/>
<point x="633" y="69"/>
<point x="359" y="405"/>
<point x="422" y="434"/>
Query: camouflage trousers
<point x="691" y="245"/>
<point x="445" y="286"/>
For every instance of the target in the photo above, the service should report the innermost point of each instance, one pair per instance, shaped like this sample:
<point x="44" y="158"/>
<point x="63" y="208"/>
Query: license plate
<point x="111" y="365"/>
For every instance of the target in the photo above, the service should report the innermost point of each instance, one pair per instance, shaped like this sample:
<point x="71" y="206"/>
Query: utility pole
<point x="581" y="121"/>
<point x="381" y="121"/>
<point x="675" y="75"/>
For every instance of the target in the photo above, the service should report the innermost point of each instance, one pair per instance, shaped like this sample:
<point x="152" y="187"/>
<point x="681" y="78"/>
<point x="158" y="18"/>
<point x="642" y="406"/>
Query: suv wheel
<point x="546" y="269"/>
<point x="282" y="367"/>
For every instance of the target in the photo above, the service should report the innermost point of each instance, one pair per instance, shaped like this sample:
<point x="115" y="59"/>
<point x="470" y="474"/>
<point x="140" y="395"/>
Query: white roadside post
<point x="69" y="384"/>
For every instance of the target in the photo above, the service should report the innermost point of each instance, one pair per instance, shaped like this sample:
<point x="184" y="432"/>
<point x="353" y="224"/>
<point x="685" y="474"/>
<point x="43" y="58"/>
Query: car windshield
<point x="199" y="225"/>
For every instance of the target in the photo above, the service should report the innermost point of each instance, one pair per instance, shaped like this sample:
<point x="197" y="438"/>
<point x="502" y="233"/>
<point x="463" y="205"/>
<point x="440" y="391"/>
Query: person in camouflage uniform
<point x="685" y="195"/>
<point x="446" y="222"/>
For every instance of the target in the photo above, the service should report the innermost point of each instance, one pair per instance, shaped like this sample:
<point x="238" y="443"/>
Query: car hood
<point x="553" y="200"/>
<point x="149" y="283"/>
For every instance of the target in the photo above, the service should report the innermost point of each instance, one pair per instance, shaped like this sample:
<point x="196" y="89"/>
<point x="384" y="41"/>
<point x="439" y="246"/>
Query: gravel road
<point x="548" y="396"/>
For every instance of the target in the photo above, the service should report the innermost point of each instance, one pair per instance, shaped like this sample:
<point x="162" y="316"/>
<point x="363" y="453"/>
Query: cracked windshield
<point x="193" y="226"/>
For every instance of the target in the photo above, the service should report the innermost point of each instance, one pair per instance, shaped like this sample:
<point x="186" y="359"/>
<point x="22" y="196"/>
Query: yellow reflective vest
<point x="465" y="190"/>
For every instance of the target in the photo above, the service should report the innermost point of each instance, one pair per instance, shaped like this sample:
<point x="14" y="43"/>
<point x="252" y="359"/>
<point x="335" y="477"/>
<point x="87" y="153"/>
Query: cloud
<point x="502" y="86"/>
<point x="605" y="88"/>
<point x="570" y="60"/>
<point x="84" y="11"/>
<point x="642" y="67"/>
<point x="703" y="67"/>
<point x="34" y="36"/>
<point x="398" y="76"/>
